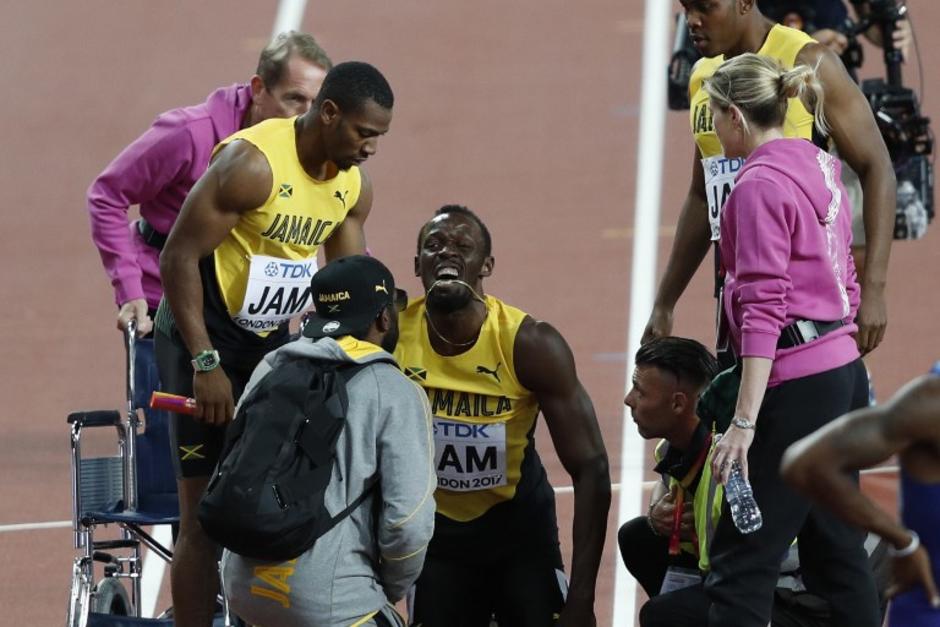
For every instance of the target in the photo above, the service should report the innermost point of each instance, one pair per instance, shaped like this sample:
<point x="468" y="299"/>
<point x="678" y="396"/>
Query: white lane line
<point x="55" y="524"/>
<point x="290" y="14"/>
<point x="643" y="275"/>
<point x="152" y="571"/>
<point x="565" y="489"/>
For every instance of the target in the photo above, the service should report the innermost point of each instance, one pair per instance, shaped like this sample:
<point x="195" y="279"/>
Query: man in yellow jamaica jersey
<point x="237" y="267"/>
<point x="488" y="369"/>
<point x="726" y="28"/>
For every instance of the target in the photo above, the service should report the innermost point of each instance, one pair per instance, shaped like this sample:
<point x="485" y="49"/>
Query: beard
<point x="390" y="341"/>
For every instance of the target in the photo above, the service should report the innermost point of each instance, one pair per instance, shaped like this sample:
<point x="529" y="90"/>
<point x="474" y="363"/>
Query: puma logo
<point x="494" y="372"/>
<point x="341" y="197"/>
<point x="381" y="288"/>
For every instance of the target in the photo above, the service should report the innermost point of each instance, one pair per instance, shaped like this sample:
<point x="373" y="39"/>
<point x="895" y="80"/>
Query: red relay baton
<point x="174" y="403"/>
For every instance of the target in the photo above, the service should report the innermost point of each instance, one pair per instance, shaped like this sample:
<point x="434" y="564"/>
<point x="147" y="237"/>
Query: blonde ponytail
<point x="803" y="82"/>
<point x="759" y="86"/>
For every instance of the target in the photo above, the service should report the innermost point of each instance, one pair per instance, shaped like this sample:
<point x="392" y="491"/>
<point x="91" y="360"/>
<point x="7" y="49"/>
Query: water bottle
<point x="740" y="497"/>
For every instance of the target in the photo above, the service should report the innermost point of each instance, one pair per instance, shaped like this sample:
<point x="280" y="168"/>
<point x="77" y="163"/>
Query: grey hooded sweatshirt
<point x="372" y="557"/>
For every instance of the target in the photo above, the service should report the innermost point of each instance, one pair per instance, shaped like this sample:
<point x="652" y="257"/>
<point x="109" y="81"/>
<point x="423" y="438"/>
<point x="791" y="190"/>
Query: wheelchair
<point x="133" y="489"/>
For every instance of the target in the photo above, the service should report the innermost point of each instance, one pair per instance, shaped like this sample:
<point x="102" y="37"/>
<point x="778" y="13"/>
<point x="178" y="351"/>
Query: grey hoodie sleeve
<point x="406" y="466"/>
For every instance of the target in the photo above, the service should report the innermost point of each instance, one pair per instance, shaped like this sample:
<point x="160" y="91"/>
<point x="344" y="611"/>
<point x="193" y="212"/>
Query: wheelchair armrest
<point x="95" y="418"/>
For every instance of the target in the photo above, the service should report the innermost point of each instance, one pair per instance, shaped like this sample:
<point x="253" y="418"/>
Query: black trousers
<point x="688" y="607"/>
<point x="744" y="568"/>
<point x="520" y="590"/>
<point x="646" y="555"/>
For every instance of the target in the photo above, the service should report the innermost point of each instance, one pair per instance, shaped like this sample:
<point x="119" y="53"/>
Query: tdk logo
<point x="286" y="270"/>
<point x="726" y="166"/>
<point x="459" y="430"/>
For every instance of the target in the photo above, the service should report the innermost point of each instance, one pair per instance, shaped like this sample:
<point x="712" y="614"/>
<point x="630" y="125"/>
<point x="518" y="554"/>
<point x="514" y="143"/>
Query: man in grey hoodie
<point x="357" y="570"/>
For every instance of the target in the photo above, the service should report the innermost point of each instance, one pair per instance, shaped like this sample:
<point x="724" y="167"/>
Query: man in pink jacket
<point x="157" y="170"/>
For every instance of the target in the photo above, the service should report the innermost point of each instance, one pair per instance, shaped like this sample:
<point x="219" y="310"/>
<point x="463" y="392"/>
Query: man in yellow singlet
<point x="237" y="267"/>
<point x="489" y="369"/>
<point x="726" y="28"/>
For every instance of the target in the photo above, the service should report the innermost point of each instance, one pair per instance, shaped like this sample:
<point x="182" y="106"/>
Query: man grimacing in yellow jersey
<point x="488" y="369"/>
<point x="727" y="28"/>
<point x="237" y="266"/>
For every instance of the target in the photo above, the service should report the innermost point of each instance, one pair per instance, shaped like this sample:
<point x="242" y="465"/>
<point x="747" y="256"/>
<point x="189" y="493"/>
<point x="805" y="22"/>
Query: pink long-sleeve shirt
<point x="156" y="172"/>
<point x="785" y="246"/>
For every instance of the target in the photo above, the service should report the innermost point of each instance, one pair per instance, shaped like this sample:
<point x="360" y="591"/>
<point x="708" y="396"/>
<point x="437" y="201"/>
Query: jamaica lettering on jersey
<point x="483" y="418"/>
<point x="782" y="44"/>
<point x="261" y="271"/>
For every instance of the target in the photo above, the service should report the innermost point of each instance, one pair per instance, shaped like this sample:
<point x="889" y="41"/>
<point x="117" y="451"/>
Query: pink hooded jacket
<point x="157" y="171"/>
<point x="785" y="246"/>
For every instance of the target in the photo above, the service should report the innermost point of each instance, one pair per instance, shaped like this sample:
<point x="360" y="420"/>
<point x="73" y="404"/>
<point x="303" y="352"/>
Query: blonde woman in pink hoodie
<point x="789" y="302"/>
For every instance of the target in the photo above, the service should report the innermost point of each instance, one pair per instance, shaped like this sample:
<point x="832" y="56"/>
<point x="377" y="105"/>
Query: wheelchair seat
<point x="134" y="489"/>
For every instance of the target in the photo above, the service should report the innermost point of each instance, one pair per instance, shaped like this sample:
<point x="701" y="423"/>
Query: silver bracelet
<point x="742" y="423"/>
<point x="909" y="549"/>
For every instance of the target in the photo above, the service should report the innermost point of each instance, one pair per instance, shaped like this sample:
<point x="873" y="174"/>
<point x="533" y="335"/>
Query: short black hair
<point x="687" y="359"/>
<point x="464" y="211"/>
<point x="353" y="83"/>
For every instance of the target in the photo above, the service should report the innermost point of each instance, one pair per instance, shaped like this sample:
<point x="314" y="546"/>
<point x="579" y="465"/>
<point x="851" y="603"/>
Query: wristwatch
<point x="742" y="423"/>
<point x="206" y="360"/>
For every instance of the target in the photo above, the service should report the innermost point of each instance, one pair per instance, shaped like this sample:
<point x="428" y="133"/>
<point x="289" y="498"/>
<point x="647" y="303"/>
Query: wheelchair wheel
<point x="110" y="597"/>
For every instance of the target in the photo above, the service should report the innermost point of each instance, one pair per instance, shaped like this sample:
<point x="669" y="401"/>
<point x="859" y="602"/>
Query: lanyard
<point x="680" y="498"/>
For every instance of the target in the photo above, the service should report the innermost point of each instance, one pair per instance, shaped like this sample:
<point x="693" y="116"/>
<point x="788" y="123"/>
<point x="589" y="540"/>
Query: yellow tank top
<point x="264" y="265"/>
<point x="483" y="418"/>
<point x="782" y="44"/>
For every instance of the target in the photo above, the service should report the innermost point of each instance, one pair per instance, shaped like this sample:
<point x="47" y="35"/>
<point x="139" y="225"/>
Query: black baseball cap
<point x="348" y="294"/>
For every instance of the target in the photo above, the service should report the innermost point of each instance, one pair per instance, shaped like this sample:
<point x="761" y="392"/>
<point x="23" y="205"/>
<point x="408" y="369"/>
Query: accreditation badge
<point x="679" y="578"/>
<point x="720" y="173"/>
<point x="469" y="456"/>
<point x="277" y="290"/>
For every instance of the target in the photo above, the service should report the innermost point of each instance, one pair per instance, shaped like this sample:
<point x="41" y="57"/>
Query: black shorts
<point x="526" y="589"/>
<point x="196" y="446"/>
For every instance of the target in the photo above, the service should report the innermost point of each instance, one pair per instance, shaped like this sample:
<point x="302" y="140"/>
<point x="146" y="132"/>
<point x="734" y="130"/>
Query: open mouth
<point x="447" y="273"/>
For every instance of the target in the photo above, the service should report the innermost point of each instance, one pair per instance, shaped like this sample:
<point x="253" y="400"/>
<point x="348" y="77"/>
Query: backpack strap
<point x="311" y="442"/>
<point x="347" y="373"/>
<point x="370" y="485"/>
<point x="335" y="405"/>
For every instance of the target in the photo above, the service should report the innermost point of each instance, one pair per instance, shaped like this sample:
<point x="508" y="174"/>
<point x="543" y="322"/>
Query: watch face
<point x="206" y="361"/>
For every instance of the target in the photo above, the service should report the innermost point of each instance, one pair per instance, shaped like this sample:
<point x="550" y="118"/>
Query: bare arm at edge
<point x="818" y="466"/>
